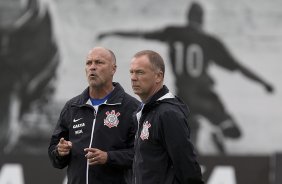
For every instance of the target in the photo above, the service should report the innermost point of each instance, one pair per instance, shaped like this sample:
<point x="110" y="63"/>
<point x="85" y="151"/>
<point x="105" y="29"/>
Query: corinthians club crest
<point x="111" y="119"/>
<point x="145" y="131"/>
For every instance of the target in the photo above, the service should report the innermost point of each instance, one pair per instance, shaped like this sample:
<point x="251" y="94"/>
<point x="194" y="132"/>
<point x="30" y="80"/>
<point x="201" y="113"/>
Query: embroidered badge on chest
<point x="111" y="119"/>
<point x="145" y="131"/>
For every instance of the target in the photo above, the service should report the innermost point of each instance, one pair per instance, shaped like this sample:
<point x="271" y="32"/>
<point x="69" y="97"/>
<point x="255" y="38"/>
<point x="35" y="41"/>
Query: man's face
<point x="99" y="68"/>
<point x="143" y="77"/>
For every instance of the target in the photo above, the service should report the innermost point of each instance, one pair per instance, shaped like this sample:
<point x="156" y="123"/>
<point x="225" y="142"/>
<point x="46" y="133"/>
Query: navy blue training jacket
<point x="164" y="153"/>
<point x="111" y="129"/>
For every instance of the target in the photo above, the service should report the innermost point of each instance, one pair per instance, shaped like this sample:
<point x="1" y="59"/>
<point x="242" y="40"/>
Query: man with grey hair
<point x="164" y="153"/>
<point x="94" y="135"/>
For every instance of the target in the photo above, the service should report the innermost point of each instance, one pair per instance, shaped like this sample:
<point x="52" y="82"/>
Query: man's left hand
<point x="96" y="156"/>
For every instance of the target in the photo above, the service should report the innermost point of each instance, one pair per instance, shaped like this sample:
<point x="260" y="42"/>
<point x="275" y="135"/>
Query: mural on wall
<point x="191" y="51"/>
<point x="29" y="58"/>
<point x="222" y="59"/>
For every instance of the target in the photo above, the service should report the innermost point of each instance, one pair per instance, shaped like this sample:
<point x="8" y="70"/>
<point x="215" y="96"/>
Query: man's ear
<point x="114" y="69"/>
<point x="159" y="76"/>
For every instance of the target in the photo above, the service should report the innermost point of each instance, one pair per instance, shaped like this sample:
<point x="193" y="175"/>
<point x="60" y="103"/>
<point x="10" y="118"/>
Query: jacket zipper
<point x="91" y="139"/>
<point x="92" y="132"/>
<point x="138" y="117"/>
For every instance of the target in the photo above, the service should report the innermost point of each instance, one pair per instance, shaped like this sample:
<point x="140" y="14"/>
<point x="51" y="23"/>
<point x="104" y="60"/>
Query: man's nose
<point x="133" y="77"/>
<point x="93" y="66"/>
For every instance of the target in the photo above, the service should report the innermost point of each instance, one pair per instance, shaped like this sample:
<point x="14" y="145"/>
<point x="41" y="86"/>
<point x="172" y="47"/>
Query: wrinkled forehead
<point x="141" y="63"/>
<point x="99" y="53"/>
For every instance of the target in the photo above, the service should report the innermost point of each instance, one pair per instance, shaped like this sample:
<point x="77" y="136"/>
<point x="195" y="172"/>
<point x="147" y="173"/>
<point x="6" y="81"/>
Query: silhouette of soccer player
<point x="191" y="51"/>
<point x="28" y="61"/>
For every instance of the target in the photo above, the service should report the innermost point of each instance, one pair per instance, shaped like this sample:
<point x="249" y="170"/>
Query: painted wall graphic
<point x="223" y="58"/>
<point x="191" y="52"/>
<point x="29" y="60"/>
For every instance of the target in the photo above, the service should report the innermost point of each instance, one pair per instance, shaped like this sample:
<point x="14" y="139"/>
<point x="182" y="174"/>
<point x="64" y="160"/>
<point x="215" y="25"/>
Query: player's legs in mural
<point x="28" y="58"/>
<point x="205" y="103"/>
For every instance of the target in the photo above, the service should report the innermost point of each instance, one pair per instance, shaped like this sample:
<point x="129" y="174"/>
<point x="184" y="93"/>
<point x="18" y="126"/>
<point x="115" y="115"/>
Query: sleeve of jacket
<point x="124" y="157"/>
<point x="175" y="133"/>
<point x="61" y="130"/>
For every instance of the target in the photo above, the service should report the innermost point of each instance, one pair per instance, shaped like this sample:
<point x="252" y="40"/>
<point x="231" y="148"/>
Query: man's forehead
<point x="92" y="57"/>
<point x="97" y="55"/>
<point x="140" y="66"/>
<point x="141" y="62"/>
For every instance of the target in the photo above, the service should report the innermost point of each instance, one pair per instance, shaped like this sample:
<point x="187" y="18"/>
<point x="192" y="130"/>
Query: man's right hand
<point x="64" y="147"/>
